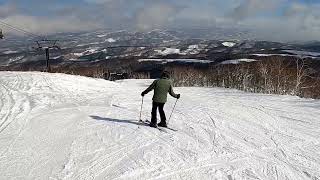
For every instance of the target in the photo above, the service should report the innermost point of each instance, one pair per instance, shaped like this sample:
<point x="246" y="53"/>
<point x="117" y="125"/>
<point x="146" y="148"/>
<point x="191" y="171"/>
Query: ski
<point x="171" y="129"/>
<point x="147" y="122"/>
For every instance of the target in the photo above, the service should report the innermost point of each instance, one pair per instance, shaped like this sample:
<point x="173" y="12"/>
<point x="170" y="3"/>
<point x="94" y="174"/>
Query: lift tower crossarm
<point x="51" y="44"/>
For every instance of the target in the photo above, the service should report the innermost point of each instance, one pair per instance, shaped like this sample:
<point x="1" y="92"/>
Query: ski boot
<point x="163" y="124"/>
<point x="154" y="125"/>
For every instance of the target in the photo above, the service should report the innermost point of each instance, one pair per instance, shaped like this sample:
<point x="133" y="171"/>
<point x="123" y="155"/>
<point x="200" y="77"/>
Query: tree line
<point x="276" y="75"/>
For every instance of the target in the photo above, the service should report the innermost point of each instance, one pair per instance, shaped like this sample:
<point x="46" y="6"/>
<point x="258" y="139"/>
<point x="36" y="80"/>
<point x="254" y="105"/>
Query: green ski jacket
<point x="161" y="88"/>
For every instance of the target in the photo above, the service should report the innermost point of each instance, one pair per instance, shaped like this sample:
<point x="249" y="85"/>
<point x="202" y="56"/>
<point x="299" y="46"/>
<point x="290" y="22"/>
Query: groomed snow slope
<point x="55" y="126"/>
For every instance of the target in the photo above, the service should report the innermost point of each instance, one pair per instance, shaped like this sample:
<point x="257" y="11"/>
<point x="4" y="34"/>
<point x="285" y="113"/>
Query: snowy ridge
<point x="237" y="61"/>
<point x="110" y="40"/>
<point x="55" y="126"/>
<point x="9" y="52"/>
<point x="288" y="55"/>
<point x="168" y="51"/>
<point x="88" y="51"/>
<point x="193" y="49"/>
<point x="15" y="59"/>
<point x="164" y="61"/>
<point x="303" y="53"/>
<point x="229" y="44"/>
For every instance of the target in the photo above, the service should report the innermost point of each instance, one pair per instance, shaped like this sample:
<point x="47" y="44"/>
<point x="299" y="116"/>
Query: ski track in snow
<point x="55" y="126"/>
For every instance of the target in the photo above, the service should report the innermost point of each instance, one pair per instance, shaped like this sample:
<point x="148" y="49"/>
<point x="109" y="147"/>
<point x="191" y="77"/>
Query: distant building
<point x="117" y="76"/>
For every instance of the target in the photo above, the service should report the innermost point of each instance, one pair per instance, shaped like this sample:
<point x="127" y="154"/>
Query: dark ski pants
<point x="156" y="105"/>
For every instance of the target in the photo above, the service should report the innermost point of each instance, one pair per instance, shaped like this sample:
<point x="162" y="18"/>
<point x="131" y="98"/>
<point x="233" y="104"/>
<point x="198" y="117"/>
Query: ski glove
<point x="178" y="96"/>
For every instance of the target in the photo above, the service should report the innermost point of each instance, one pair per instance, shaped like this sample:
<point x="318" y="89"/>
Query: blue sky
<point x="299" y="18"/>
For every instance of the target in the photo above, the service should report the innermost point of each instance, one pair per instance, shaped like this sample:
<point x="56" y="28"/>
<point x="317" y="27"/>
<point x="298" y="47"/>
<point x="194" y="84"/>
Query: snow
<point x="294" y="53"/>
<point x="168" y="51"/>
<point x="229" y="44"/>
<point x="102" y="35"/>
<point x="285" y="55"/>
<point x="78" y="54"/>
<point x="195" y="46"/>
<point x="193" y="49"/>
<point x="88" y="51"/>
<point x="237" y="61"/>
<point x="9" y="52"/>
<point x="14" y="59"/>
<point x="302" y="53"/>
<point x="175" y="60"/>
<point x="110" y="40"/>
<point x="268" y="55"/>
<point x="56" y="57"/>
<point x="107" y="34"/>
<point x="56" y="126"/>
<point x="92" y="50"/>
<point x="93" y="43"/>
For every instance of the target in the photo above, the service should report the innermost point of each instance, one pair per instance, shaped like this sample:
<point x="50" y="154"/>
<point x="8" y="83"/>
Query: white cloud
<point x="249" y="8"/>
<point x="293" y="28"/>
<point x="38" y="25"/>
<point x="155" y="16"/>
<point x="7" y="10"/>
<point x="298" y="21"/>
<point x="296" y="9"/>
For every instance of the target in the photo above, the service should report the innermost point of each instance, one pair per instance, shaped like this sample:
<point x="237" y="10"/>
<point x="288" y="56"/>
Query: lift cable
<point x="20" y="30"/>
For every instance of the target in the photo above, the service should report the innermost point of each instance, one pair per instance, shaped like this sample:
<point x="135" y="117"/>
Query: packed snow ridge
<point x="56" y="126"/>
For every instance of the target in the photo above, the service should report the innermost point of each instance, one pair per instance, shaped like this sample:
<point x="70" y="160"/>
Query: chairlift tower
<point x="47" y="45"/>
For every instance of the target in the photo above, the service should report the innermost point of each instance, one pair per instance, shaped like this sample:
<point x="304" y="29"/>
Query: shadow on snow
<point x="116" y="120"/>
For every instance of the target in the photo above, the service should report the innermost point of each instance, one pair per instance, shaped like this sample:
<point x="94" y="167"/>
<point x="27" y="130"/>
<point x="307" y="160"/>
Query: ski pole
<point x="172" y="110"/>
<point x="141" y="109"/>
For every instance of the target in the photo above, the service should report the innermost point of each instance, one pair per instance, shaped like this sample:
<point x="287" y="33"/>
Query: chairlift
<point x="1" y="34"/>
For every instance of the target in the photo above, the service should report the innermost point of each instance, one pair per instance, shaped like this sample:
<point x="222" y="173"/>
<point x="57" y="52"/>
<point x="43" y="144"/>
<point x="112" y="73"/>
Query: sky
<point x="277" y="20"/>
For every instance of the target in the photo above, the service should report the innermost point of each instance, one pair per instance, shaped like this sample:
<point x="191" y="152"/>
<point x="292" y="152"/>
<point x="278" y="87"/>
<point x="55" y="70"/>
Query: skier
<point x="161" y="88"/>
